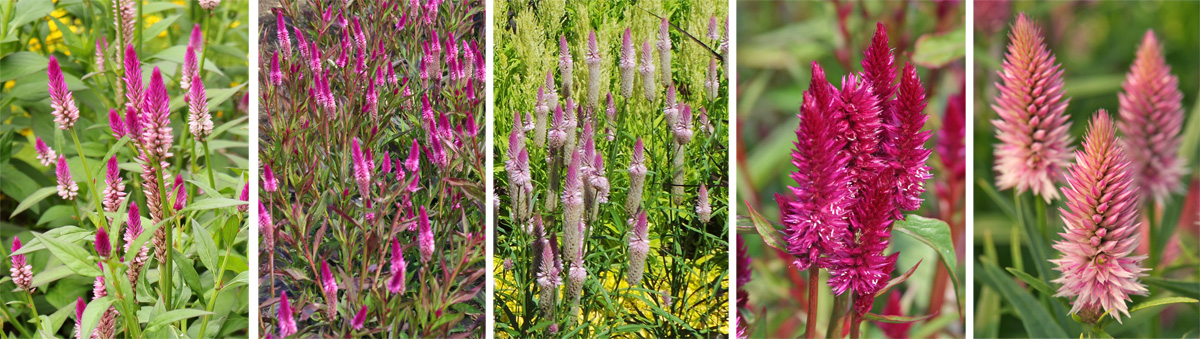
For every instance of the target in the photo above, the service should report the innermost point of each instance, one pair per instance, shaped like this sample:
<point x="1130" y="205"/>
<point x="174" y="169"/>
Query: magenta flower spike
<point x="61" y="100"/>
<point x="180" y="193"/>
<point x="628" y="63"/>
<point x="45" y="155"/>
<point x="265" y="226"/>
<point x="287" y="321"/>
<point x="1033" y="129"/>
<point x="649" y="89"/>
<point x="188" y="71"/>
<point x="905" y="148"/>
<point x="328" y="284"/>
<point x="703" y="207"/>
<point x="80" y="306"/>
<point x="114" y="193"/>
<point x="425" y="237"/>
<point x="133" y="226"/>
<point x="859" y="265"/>
<point x="1099" y="268"/>
<point x="156" y="120"/>
<point x="102" y="244"/>
<point x="879" y="69"/>
<point x="639" y="248"/>
<point x="276" y="75"/>
<point x="413" y="163"/>
<point x="565" y="64"/>
<point x="21" y="271"/>
<point x="67" y="189"/>
<point x="814" y="214"/>
<point x="98" y="288"/>
<point x="865" y="124"/>
<point x="281" y="31"/>
<point x="951" y="145"/>
<point x="134" y="91"/>
<point x="387" y="162"/>
<point x="101" y="45"/>
<point x="362" y="171"/>
<point x="199" y="120"/>
<point x="1151" y="120"/>
<point x="244" y="196"/>
<point x="269" y="182"/>
<point x="133" y="124"/>
<point x="361" y="316"/>
<point x="399" y="269"/>
<point x="116" y="124"/>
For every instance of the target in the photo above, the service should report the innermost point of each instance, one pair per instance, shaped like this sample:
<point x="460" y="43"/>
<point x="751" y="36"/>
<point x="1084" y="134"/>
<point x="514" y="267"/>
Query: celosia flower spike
<point x="639" y="248"/>
<point x="859" y="265"/>
<point x="80" y="306"/>
<point x="1099" y="268"/>
<point x="361" y="316"/>
<point x="703" y="207"/>
<point x="156" y="119"/>
<point x="328" y="283"/>
<point x="287" y="321"/>
<point x="180" y="193"/>
<point x="905" y="149"/>
<point x="593" y="61"/>
<point x="67" y="189"/>
<point x="1151" y="119"/>
<point x="116" y="124"/>
<point x="269" y="182"/>
<point x="114" y="193"/>
<point x="664" y="50"/>
<point x="565" y="64"/>
<point x="362" y="171"/>
<point x="276" y="74"/>
<point x="649" y="89"/>
<point x="103" y="245"/>
<point x="199" y="121"/>
<point x="265" y="226"/>
<point x="1033" y="129"/>
<point x="281" y="31"/>
<point x="61" y="100"/>
<point x="45" y="155"/>
<point x="21" y="271"/>
<point x="425" y="237"/>
<point x="879" y="69"/>
<point x="398" y="268"/>
<point x="133" y="79"/>
<point x="637" y="178"/>
<point x="628" y="63"/>
<point x="413" y="163"/>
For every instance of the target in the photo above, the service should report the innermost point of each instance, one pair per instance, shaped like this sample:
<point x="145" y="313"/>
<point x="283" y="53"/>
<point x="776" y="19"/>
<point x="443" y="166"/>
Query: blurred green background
<point x="1095" y="41"/>
<point x="777" y="42"/>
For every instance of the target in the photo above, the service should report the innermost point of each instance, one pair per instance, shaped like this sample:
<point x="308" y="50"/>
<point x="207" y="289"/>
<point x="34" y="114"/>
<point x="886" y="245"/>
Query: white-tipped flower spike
<point x="649" y="88"/>
<point x="67" y="189"/>
<point x="598" y="179"/>
<point x="671" y="110"/>
<point x="114" y="193"/>
<point x="199" y="121"/>
<point x="637" y="179"/>
<point x="126" y="12"/>
<point x="1099" y="268"/>
<point x="61" y="100"/>
<point x="541" y="110"/>
<point x="21" y="271"/>
<point x="527" y="127"/>
<point x="711" y="84"/>
<point x="101" y="45"/>
<point x="557" y="137"/>
<point x="551" y="93"/>
<point x="548" y="279"/>
<point x="576" y="275"/>
<point x="664" y="51"/>
<point x="572" y="199"/>
<point x="639" y="248"/>
<point x="566" y="67"/>
<point x="45" y="155"/>
<point x="133" y="230"/>
<point x="1151" y="119"/>
<point x="209" y="4"/>
<point x="683" y="126"/>
<point x="593" y="61"/>
<point x="703" y="207"/>
<point x="628" y="64"/>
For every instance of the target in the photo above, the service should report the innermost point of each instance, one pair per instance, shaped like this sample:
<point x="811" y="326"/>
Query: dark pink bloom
<point x="879" y="69"/>
<point x="276" y="75"/>
<point x="1033" y="128"/>
<point x="116" y="124"/>
<point x="265" y="226"/>
<point x="80" y="306"/>
<point x="287" y="322"/>
<point x="904" y="150"/>
<point x="199" y="121"/>
<point x="156" y="119"/>
<point x="362" y="171"/>
<point x="1151" y="119"/>
<point x="281" y="31"/>
<point x="21" y="271"/>
<point x="425" y="237"/>
<point x="860" y="265"/>
<point x="103" y="246"/>
<point x="328" y="284"/>
<point x="244" y="196"/>
<point x="45" y="155"/>
<point x="269" y="182"/>
<point x="133" y="80"/>
<point x="114" y="193"/>
<point x="399" y="269"/>
<point x="361" y="316"/>
<point x="1099" y="268"/>
<point x="951" y="146"/>
<point x="133" y="126"/>
<point x="180" y="193"/>
<point x="61" y="100"/>
<point x="67" y="189"/>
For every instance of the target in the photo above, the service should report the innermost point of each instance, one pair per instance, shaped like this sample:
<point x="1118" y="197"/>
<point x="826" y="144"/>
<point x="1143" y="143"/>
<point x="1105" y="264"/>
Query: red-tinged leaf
<point x="771" y="236"/>
<point x="897" y="319"/>
<point x="898" y="280"/>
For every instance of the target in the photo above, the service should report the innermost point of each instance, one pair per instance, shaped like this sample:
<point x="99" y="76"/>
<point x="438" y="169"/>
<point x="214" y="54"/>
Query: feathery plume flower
<point x="328" y="283"/>
<point x="199" y="121"/>
<point x="67" y="189"/>
<point x="114" y="193"/>
<point x="713" y="33"/>
<point x="362" y="170"/>
<point x="879" y="69"/>
<point x="905" y="148"/>
<point x="209" y="4"/>
<point x="540" y="111"/>
<point x="101" y="45"/>
<point x="281" y="31"/>
<point x="814" y="214"/>
<point x="639" y="248"/>
<point x="61" y="100"/>
<point x="557" y="136"/>
<point x="861" y="112"/>
<point x="599" y="181"/>
<point x="1099" y="269"/>
<point x="287" y="321"/>
<point x="425" y="237"/>
<point x="244" y="196"/>
<point x="102" y="244"/>
<point x="413" y="163"/>
<point x="116" y="124"/>
<point x="188" y="71"/>
<point x="399" y="269"/>
<point x="125" y="11"/>
<point x="951" y="148"/>
<point x="566" y="66"/>
<point x="1033" y="129"/>
<point x="276" y="75"/>
<point x="361" y="316"/>
<point x="133" y="124"/>
<point x="711" y="83"/>
<point x="703" y="208"/>
<point x="548" y="279"/>
<point x="576" y="275"/>
<point x="593" y="59"/>
<point x="649" y="89"/>
<point x="683" y="125"/>
<point x="269" y="182"/>
<point x="551" y="93"/>
<point x="572" y="199"/>
<point x="265" y="226"/>
<point x="664" y="50"/>
<point x="21" y="271"/>
<point x="743" y="272"/>
<point x="637" y="178"/>
<point x="859" y="264"/>
<point x="133" y="230"/>
<point x="80" y="306"/>
<point x="156" y="120"/>
<point x="1151" y="119"/>
<point x="134" y="95"/>
<point x="180" y="193"/>
<point x="628" y="63"/>
<point x="45" y="155"/>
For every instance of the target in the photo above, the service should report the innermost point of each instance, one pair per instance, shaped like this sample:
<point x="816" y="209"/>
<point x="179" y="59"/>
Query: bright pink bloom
<point x="287" y="322"/>
<point x="45" y="155"/>
<point x="265" y="226"/>
<point x="116" y="124"/>
<point x="134" y="95"/>
<point x="362" y="171"/>
<point x="199" y="121"/>
<point x="61" y="99"/>
<point x="156" y="120"/>
<point x="67" y="189"/>
<point x="103" y="246"/>
<point x="904" y="150"/>
<point x="951" y="146"/>
<point x="80" y="306"/>
<point x="1099" y="269"/>
<point x="114" y="193"/>
<point x="413" y="163"/>
<point x="1151" y="119"/>
<point x="399" y="269"/>
<point x="859" y="264"/>
<point x="879" y="69"/>
<point x="269" y="182"/>
<point x="180" y="193"/>
<point x="21" y="271"/>
<point x="425" y="237"/>
<point x="281" y="31"/>
<point x="1033" y="129"/>
<point x="361" y="316"/>
<point x="244" y="196"/>
<point x="328" y="284"/>
<point x="133" y="125"/>
<point x="276" y="75"/>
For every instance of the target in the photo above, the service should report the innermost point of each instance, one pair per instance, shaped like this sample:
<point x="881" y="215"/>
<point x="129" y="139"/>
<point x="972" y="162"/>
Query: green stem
<point x="166" y="272"/>
<point x="36" y="319"/>
<point x="90" y="182"/>
<point x="216" y="289"/>
<point x="835" y="319"/>
<point x="7" y="316"/>
<point x="1040" y="205"/>
<point x="208" y="165"/>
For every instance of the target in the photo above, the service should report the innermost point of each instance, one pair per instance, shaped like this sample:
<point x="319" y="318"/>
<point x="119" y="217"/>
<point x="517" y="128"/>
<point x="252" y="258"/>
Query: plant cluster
<point x="111" y="112"/>
<point x="371" y="195"/>
<point x="860" y="168"/>
<point x="1116" y="190"/>
<point x="611" y="215"/>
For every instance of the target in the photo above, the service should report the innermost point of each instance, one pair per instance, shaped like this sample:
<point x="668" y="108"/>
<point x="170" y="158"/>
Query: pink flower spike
<point x="67" y="189"/>
<point x="199" y="121"/>
<point x="61" y="100"/>
<point x="244" y="196"/>
<point x="905" y="149"/>
<point x="276" y="75"/>
<point x="398" y="268"/>
<point x="269" y="182"/>
<point x="114" y="193"/>
<point x="133" y="79"/>
<point x="413" y="163"/>
<point x="1151" y="120"/>
<point x="156" y="119"/>
<point x="265" y="226"/>
<point x="133" y="124"/>
<point x="287" y="322"/>
<point x="103" y="246"/>
<point x="879" y="69"/>
<point x="133" y="226"/>
<point x="285" y="42"/>
<point x="425" y="237"/>
<point x="329" y="285"/>
<point x="1099" y="268"/>
<point x="387" y="162"/>
<point x="180" y="193"/>
<point x="21" y="271"/>
<point x="80" y="306"/>
<point x="362" y="172"/>
<point x="1033" y="129"/>
<point x="45" y="155"/>
<point x="361" y="316"/>
<point x="116" y="124"/>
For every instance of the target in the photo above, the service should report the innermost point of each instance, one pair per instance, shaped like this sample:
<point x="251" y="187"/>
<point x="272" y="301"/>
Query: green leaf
<point x="1039" y="285"/>
<point x="6" y="143"/>
<point x="1187" y="289"/>
<point x="33" y="199"/>
<point x="28" y="11"/>
<point x="152" y="32"/>
<point x="91" y="314"/>
<point x="56" y="212"/>
<point x="935" y="234"/>
<point x="47" y="276"/>
<point x="187" y="270"/>
<point x="147" y="233"/>
<point x="1191" y="139"/>
<point x="1038" y="323"/>
<point x="70" y="255"/>
<point x="770" y="235"/>
<point x="206" y="248"/>
<point x="178" y="52"/>
<point x="216" y="96"/>
<point x="937" y="50"/>
<point x="896" y="319"/>
<point x="1160" y="302"/>
<point x="208" y="204"/>
<point x="170" y="317"/>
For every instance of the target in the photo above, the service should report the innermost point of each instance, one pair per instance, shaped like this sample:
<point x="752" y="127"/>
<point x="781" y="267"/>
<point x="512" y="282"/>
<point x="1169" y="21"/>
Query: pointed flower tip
<point x="102" y="244"/>
<point x="359" y="318"/>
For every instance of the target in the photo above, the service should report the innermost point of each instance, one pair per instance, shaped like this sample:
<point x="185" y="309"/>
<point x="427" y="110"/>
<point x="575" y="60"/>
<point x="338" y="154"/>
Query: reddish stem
<point x="810" y="328"/>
